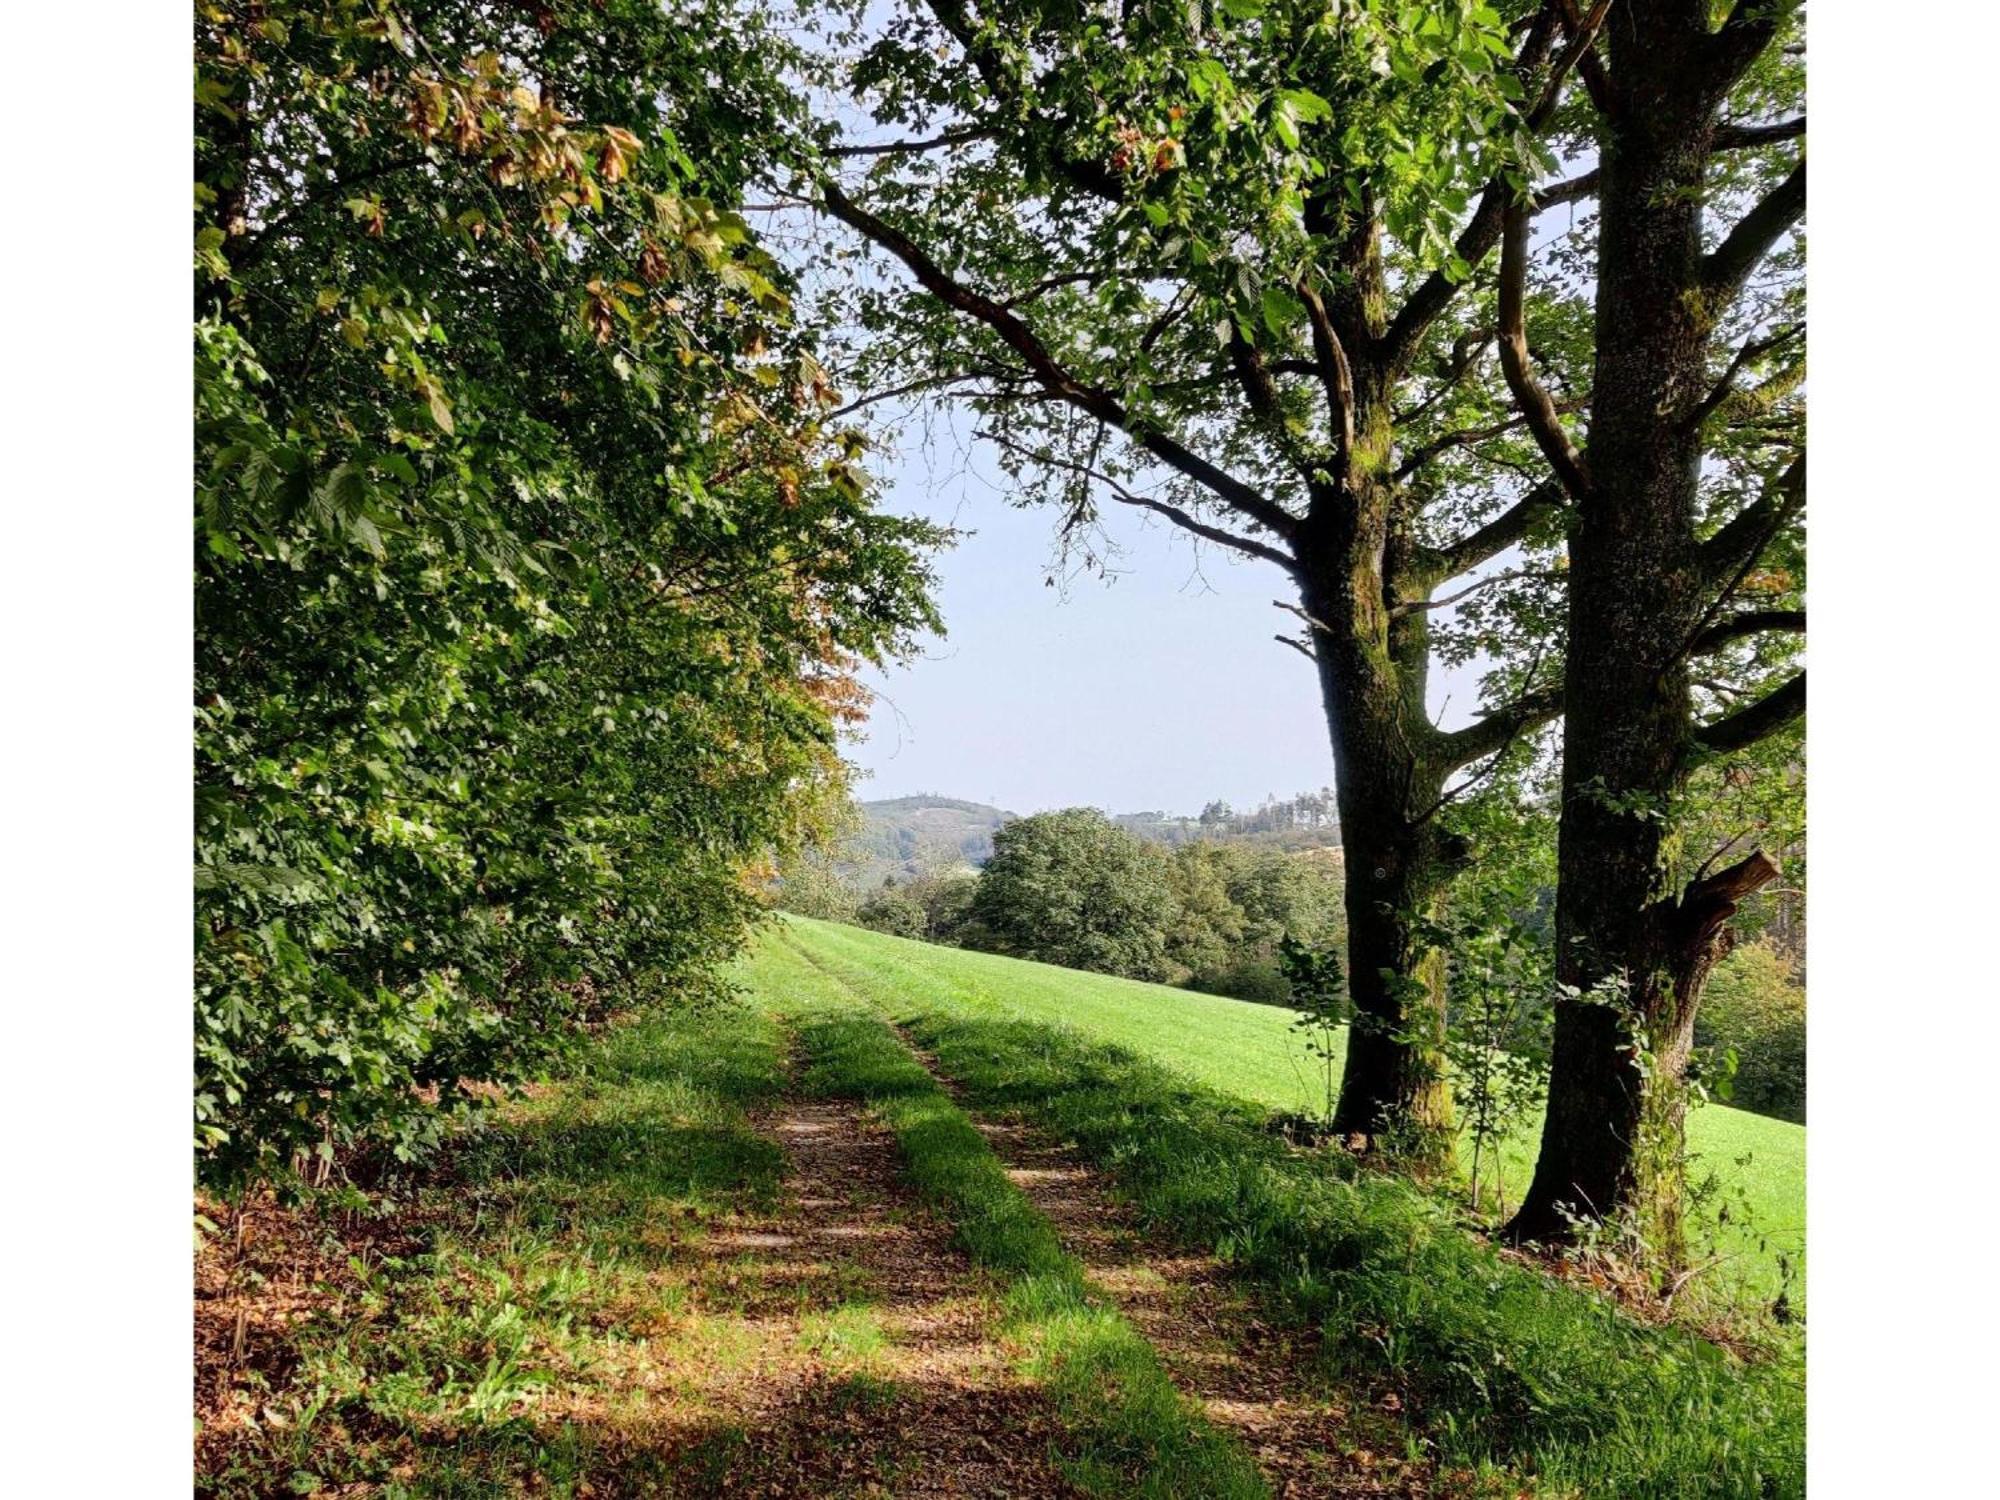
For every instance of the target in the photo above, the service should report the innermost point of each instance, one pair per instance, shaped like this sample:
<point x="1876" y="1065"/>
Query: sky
<point x="1159" y="687"/>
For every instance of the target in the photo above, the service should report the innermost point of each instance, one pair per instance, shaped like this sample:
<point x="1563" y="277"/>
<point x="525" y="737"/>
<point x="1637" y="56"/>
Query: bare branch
<point x="1724" y="271"/>
<point x="1760" y="720"/>
<point x="1058" y="381"/>
<point x="901" y="148"/>
<point x="907" y="388"/>
<point x="1536" y="406"/>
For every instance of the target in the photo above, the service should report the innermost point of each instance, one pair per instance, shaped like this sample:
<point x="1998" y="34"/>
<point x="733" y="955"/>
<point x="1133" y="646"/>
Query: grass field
<point x="1755" y="1216"/>
<point x="1506" y="1370"/>
<point x="643" y="1279"/>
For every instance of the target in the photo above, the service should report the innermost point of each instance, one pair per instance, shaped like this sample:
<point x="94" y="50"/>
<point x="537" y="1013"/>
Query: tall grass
<point x="521" y="1329"/>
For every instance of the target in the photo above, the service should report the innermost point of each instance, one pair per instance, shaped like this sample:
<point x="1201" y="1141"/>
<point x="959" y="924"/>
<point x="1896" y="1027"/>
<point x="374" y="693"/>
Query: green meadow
<point x="1751" y="1223"/>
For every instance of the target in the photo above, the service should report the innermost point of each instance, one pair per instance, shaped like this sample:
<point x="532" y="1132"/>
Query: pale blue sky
<point x="1160" y="687"/>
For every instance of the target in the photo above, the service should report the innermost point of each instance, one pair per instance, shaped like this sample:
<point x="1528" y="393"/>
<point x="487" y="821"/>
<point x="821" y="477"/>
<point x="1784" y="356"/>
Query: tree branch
<point x="1748" y="31"/>
<point x="1536" y="406"/>
<point x="1174" y="513"/>
<point x="1092" y="177"/>
<point x="1418" y="606"/>
<point x="1752" y="349"/>
<point x="1748" y="622"/>
<point x="908" y="388"/>
<point x="1712" y="900"/>
<point x="1724" y="271"/>
<point x="1502" y="727"/>
<point x="1058" y="381"/>
<point x="1743" y="539"/>
<point x="1500" y="533"/>
<point x="899" y="148"/>
<point x="1261" y="392"/>
<point x="1588" y="64"/>
<point x="1746" y="137"/>
<point x="1482" y="231"/>
<point x="1467" y="437"/>
<point x="1336" y="376"/>
<point x="1760" y="720"/>
<point x="1583" y="185"/>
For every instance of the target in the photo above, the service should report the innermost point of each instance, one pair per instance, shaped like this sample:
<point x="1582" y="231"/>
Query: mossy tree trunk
<point x="1633" y="946"/>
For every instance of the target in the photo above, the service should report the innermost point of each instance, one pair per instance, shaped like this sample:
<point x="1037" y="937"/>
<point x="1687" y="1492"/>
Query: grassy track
<point x="1497" y="1363"/>
<point x="1249" y="1052"/>
<point x="1129" y="1431"/>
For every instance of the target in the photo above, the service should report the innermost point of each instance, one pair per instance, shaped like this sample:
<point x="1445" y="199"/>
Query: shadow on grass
<point x="1496" y="1362"/>
<point x="834" y="1435"/>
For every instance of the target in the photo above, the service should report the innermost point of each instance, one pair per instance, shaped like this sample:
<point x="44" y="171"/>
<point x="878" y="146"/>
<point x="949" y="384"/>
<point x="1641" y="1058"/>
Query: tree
<point x="892" y="910"/>
<point x="530" y="579"/>
<point x="1690" y="495"/>
<point x="1208" y="926"/>
<point x="1071" y="888"/>
<point x="1228" y="267"/>
<point x="1754" y="1008"/>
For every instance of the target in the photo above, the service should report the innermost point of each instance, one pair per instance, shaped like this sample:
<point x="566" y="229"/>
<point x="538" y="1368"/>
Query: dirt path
<point x="1252" y="1379"/>
<point x="1249" y="1377"/>
<point x="879" y="1368"/>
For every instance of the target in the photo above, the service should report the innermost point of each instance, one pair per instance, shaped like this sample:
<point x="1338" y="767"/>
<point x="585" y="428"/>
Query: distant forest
<point x="903" y="838"/>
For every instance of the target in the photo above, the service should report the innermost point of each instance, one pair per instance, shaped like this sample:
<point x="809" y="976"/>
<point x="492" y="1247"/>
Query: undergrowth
<point x="528" y="1315"/>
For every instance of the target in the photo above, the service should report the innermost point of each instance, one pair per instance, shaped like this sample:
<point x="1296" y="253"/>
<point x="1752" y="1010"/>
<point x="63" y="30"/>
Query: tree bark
<point x="1632" y="952"/>
<point x="1373" y="666"/>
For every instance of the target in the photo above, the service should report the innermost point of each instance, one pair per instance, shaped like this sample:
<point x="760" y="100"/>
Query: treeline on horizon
<point x="1079" y="888"/>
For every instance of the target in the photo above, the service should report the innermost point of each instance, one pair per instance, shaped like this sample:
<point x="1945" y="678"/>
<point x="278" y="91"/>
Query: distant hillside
<point x="904" y="837"/>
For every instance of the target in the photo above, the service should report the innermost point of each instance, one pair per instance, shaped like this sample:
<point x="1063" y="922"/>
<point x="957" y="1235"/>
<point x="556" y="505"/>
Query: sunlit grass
<point x="1499" y="1362"/>
<point x="1129" y="1432"/>
<point x="1251" y="1053"/>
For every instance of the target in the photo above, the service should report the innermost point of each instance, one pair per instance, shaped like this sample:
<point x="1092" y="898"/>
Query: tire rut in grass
<point x="1250" y="1378"/>
<point x="893" y="1380"/>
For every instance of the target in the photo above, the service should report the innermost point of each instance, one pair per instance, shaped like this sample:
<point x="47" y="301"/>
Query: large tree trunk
<point x="1633" y="951"/>
<point x="1394" y="1095"/>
